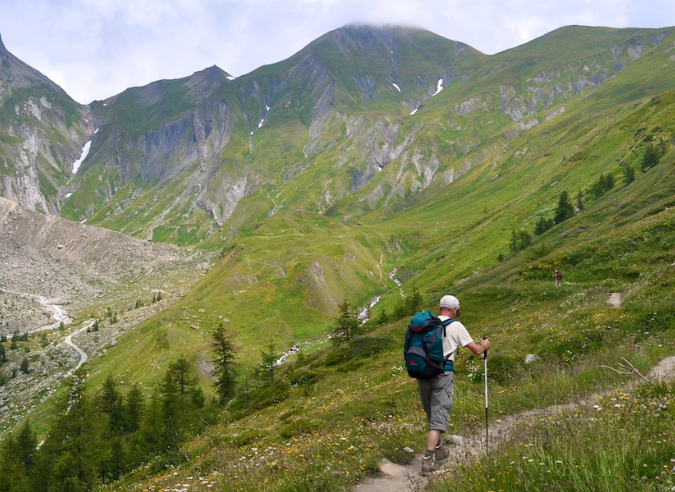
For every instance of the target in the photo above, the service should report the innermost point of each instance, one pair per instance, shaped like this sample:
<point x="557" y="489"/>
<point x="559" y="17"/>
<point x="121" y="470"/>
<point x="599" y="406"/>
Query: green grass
<point x="623" y="443"/>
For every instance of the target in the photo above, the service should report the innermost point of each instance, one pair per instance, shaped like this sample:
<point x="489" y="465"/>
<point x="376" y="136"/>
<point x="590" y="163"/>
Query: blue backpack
<point x="423" y="347"/>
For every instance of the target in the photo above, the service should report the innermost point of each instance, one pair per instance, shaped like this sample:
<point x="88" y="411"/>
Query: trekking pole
<point x="485" y="355"/>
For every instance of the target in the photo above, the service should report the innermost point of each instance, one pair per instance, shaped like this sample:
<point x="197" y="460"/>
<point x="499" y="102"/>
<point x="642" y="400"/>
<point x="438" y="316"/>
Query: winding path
<point x="400" y="478"/>
<point x="69" y="341"/>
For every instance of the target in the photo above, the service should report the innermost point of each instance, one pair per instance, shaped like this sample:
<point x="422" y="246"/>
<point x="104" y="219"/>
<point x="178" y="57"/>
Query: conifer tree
<point x="133" y="410"/>
<point x="345" y="324"/>
<point x="13" y="473"/>
<point x="565" y="209"/>
<point x="628" y="173"/>
<point x="26" y="443"/>
<point x="264" y="372"/>
<point x="580" y="200"/>
<point x="111" y="403"/>
<point x="72" y="450"/>
<point x="225" y="366"/>
<point x="383" y="318"/>
<point x="650" y="157"/>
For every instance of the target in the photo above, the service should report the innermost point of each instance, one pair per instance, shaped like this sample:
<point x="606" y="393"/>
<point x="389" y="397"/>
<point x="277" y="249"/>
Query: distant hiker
<point x="558" y="278"/>
<point x="436" y="392"/>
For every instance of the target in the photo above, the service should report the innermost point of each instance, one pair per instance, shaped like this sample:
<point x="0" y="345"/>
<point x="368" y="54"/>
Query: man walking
<point x="558" y="278"/>
<point x="436" y="393"/>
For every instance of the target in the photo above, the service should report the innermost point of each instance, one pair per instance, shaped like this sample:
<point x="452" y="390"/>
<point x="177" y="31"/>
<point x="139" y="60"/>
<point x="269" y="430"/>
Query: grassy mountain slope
<point x="285" y="274"/>
<point x="331" y="415"/>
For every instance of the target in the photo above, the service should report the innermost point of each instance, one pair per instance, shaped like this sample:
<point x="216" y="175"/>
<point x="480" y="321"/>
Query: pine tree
<point x="180" y="398"/>
<point x="72" y="449"/>
<point x="13" y="474"/>
<point x="17" y="458"/>
<point x="542" y="225"/>
<point x="171" y="407"/>
<point x="565" y="209"/>
<point x="111" y="403"/>
<point x="147" y="442"/>
<point x="26" y="442"/>
<point x="513" y="243"/>
<point x="264" y="371"/>
<point x="225" y="366"/>
<point x="383" y="318"/>
<point x="414" y="301"/>
<point x="133" y="410"/>
<point x="580" y="200"/>
<point x="628" y="174"/>
<point x="345" y="324"/>
<point x="650" y="157"/>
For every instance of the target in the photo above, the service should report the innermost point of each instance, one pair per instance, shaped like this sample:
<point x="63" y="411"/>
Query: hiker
<point x="558" y="278"/>
<point x="436" y="392"/>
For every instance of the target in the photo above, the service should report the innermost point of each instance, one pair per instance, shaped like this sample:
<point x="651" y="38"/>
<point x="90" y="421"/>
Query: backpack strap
<point x="445" y="324"/>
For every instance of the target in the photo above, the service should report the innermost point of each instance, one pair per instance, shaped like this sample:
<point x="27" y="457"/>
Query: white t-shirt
<point x="456" y="336"/>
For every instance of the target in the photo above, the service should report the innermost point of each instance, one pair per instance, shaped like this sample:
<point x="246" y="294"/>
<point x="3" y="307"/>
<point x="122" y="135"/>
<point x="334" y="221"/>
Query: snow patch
<point x="68" y="195"/>
<point x="397" y="87"/>
<point x="231" y="77"/>
<point x="261" y="122"/>
<point x="96" y="131"/>
<point x="85" y="153"/>
<point x="439" y="87"/>
<point x="267" y="108"/>
<point x="414" y="111"/>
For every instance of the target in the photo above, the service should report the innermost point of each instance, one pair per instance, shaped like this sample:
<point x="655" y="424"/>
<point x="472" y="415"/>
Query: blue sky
<point x="97" y="48"/>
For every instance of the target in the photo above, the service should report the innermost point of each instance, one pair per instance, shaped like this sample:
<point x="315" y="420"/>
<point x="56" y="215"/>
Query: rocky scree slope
<point x="79" y="265"/>
<point x="53" y="270"/>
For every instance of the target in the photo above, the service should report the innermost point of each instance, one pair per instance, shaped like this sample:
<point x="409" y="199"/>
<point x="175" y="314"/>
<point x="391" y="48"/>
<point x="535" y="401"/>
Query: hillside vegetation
<point x="556" y="154"/>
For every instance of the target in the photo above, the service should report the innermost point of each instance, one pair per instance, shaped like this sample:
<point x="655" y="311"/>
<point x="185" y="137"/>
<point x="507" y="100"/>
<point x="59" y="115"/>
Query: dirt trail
<point x="398" y="478"/>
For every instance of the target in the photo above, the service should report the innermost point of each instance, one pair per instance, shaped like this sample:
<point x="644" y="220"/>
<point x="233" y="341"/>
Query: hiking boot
<point x="429" y="467"/>
<point x="429" y="464"/>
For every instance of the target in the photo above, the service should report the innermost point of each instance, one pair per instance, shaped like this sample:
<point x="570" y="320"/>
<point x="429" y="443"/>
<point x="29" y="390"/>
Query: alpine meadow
<point x="205" y="283"/>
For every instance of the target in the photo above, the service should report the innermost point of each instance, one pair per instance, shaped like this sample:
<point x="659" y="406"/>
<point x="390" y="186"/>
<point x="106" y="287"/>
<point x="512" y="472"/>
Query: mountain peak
<point x="3" y="50"/>
<point x="212" y="71"/>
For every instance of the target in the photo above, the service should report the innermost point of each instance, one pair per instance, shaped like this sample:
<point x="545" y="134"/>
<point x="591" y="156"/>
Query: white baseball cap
<point x="449" y="302"/>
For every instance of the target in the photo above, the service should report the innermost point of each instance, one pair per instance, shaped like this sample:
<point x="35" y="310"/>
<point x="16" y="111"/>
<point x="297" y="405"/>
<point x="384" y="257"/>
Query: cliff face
<point x="42" y="132"/>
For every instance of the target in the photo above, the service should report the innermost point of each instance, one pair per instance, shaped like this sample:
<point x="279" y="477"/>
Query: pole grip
<point x="485" y="353"/>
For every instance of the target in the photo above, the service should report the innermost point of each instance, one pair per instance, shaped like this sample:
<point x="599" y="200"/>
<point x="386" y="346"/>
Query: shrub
<point x="601" y="186"/>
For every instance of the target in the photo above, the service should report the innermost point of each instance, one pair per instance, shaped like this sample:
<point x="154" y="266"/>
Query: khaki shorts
<point x="436" y="396"/>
